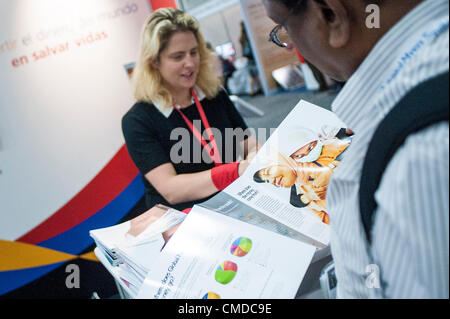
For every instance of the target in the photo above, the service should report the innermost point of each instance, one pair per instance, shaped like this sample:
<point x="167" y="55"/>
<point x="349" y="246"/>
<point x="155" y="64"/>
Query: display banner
<point x="156" y="4"/>
<point x="63" y="91"/>
<point x="268" y="56"/>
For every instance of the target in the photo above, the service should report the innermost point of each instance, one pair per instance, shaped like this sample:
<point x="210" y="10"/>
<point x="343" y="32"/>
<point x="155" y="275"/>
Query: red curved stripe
<point x="99" y="192"/>
<point x="156" y="4"/>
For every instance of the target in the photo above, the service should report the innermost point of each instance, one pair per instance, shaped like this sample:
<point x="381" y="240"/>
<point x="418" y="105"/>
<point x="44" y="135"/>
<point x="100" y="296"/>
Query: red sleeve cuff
<point x="224" y="175"/>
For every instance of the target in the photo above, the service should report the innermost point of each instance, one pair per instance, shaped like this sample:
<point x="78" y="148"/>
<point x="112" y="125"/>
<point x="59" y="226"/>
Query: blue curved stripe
<point x="13" y="279"/>
<point x="77" y="239"/>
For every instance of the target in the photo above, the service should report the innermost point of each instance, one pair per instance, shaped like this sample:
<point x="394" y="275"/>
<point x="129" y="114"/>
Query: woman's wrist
<point x="224" y="175"/>
<point x="242" y="166"/>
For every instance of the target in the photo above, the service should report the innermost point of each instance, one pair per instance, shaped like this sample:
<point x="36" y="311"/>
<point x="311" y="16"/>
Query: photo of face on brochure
<point x="298" y="160"/>
<point x="150" y="224"/>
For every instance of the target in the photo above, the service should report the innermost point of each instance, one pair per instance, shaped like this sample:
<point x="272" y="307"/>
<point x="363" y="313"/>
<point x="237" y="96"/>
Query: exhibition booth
<point x="64" y="168"/>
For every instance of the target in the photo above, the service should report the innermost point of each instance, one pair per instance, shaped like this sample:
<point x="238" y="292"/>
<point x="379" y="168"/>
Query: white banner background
<point x="63" y="91"/>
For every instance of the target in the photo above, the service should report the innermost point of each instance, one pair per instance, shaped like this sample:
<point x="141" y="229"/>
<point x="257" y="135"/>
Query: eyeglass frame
<point x="273" y="35"/>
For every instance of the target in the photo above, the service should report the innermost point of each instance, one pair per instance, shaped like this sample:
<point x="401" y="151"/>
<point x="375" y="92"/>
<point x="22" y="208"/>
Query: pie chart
<point x="211" y="295"/>
<point x="241" y="246"/>
<point x="225" y="272"/>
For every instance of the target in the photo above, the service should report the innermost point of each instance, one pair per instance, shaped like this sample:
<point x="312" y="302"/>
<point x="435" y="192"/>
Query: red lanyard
<point x="214" y="152"/>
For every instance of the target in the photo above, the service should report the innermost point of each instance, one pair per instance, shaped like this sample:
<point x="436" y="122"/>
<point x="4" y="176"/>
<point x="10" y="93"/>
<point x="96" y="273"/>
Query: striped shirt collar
<point x="168" y="111"/>
<point x="352" y="103"/>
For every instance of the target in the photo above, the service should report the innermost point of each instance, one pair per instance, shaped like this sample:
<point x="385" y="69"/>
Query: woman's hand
<point x="251" y="155"/>
<point x="243" y="166"/>
<point x="249" y="146"/>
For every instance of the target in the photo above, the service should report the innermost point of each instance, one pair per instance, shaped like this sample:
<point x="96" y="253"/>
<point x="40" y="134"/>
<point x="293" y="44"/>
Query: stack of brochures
<point x="134" y="245"/>
<point x="106" y="242"/>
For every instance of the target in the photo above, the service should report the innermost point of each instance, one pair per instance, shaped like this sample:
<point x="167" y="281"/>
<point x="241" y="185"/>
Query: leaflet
<point x="213" y="256"/>
<point x="288" y="178"/>
<point x="144" y="228"/>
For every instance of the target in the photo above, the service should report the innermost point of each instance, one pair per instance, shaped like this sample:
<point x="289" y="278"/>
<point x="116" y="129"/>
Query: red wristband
<point x="224" y="175"/>
<point x="187" y="210"/>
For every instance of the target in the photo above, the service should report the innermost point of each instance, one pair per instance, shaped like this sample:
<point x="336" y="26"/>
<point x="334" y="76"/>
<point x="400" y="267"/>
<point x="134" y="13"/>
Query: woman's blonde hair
<point x="147" y="83"/>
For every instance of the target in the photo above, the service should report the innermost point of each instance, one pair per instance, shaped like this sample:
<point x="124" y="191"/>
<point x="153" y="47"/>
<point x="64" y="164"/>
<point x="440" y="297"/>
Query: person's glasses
<point x="279" y="36"/>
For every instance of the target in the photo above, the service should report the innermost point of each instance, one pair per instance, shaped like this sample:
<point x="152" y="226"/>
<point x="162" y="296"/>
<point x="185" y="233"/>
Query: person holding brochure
<point x="222" y="253"/>
<point x="181" y="108"/>
<point x="405" y="253"/>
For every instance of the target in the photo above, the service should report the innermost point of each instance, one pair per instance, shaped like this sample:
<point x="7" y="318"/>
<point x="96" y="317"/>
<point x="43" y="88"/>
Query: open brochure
<point x="257" y="238"/>
<point x="243" y="242"/>
<point x="284" y="187"/>
<point x="212" y="256"/>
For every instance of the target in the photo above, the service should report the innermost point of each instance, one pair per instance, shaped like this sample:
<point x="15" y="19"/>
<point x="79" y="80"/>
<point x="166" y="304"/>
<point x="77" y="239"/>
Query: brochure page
<point x="147" y="227"/>
<point x="212" y="256"/>
<point x="227" y="205"/>
<point x="288" y="178"/>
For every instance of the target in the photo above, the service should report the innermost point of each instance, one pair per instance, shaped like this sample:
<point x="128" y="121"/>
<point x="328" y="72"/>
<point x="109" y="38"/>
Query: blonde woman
<point x="176" y="88"/>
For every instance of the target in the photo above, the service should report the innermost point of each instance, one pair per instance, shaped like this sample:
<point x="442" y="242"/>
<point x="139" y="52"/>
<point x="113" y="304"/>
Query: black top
<point x="147" y="135"/>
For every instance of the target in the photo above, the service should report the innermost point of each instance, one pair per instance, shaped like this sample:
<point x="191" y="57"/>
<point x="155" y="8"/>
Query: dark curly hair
<point x="295" y="5"/>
